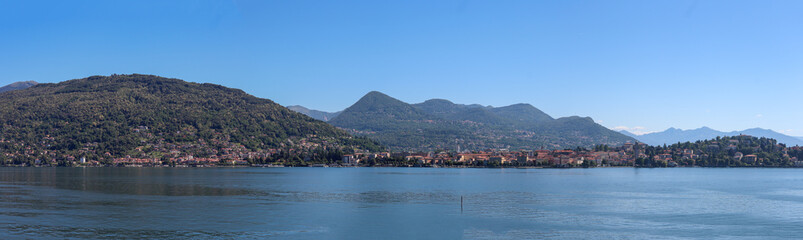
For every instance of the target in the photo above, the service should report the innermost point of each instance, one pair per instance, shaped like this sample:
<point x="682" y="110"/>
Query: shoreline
<point x="453" y="167"/>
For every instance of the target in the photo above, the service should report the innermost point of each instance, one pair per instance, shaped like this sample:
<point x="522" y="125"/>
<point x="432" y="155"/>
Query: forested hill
<point x="439" y="124"/>
<point x="733" y="151"/>
<point x="148" y="116"/>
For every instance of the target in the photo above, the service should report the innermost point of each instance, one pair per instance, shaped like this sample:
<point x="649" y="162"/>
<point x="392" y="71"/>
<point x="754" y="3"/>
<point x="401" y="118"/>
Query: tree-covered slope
<point x="443" y="107"/>
<point x="733" y="151"/>
<point x="149" y="116"/>
<point x="522" y="113"/>
<point x="578" y="131"/>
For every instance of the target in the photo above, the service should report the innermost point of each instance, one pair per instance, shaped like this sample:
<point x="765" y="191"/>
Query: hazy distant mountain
<point x="674" y="135"/>
<point x="17" y="86"/>
<point x="316" y="114"/>
<point x="440" y="124"/>
<point x="629" y="134"/>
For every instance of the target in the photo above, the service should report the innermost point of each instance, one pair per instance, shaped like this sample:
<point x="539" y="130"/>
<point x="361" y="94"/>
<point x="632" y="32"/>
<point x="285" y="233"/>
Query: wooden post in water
<point x="461" y="204"/>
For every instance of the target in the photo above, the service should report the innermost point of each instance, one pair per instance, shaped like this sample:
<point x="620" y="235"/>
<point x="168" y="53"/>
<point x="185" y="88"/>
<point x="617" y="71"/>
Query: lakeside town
<point x="630" y="154"/>
<point x="743" y="150"/>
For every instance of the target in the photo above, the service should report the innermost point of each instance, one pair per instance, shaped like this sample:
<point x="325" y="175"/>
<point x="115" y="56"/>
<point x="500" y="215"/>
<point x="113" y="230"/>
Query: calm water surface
<point x="401" y="203"/>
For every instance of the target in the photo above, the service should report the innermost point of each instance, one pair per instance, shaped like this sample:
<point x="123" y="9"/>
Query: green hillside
<point x="728" y="151"/>
<point x="149" y="116"/>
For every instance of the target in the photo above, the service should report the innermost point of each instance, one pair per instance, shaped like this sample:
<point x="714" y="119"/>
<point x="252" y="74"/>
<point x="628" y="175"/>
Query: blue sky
<point x="638" y="65"/>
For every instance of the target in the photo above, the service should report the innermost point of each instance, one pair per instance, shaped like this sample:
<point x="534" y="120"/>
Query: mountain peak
<point x="439" y="106"/>
<point x="375" y="94"/>
<point x="438" y="101"/>
<point x="577" y="118"/>
<point x="378" y="99"/>
<point x="29" y="83"/>
<point x="522" y="112"/>
<point x="522" y="105"/>
<point x="377" y="105"/>
<point x="17" y="86"/>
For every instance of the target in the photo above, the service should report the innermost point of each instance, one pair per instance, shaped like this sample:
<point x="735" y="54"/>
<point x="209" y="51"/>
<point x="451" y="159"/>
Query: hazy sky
<point x="642" y="65"/>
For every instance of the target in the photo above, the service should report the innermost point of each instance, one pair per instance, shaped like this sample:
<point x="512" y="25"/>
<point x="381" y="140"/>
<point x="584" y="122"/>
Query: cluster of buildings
<point x="220" y="151"/>
<point x="624" y="155"/>
<point x="629" y="154"/>
<point x="183" y="161"/>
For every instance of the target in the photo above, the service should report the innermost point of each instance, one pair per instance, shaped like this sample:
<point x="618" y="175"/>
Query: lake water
<point x="401" y="203"/>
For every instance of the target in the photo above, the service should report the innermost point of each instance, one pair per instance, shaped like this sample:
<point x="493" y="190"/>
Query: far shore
<point x="339" y="166"/>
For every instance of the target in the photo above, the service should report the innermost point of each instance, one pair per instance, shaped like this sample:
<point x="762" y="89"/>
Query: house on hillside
<point x="749" y="158"/>
<point x="738" y="156"/>
<point x="349" y="159"/>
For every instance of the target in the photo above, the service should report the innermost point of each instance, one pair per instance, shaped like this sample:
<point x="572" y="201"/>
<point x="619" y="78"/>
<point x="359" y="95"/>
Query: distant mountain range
<point x="440" y="124"/>
<point x="320" y="115"/>
<point x="17" y="86"/>
<point x="674" y="135"/>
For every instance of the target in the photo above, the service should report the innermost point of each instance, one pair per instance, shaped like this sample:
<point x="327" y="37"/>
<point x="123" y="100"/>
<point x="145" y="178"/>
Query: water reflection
<point x="133" y="181"/>
<point x="107" y="233"/>
<point x="370" y="203"/>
